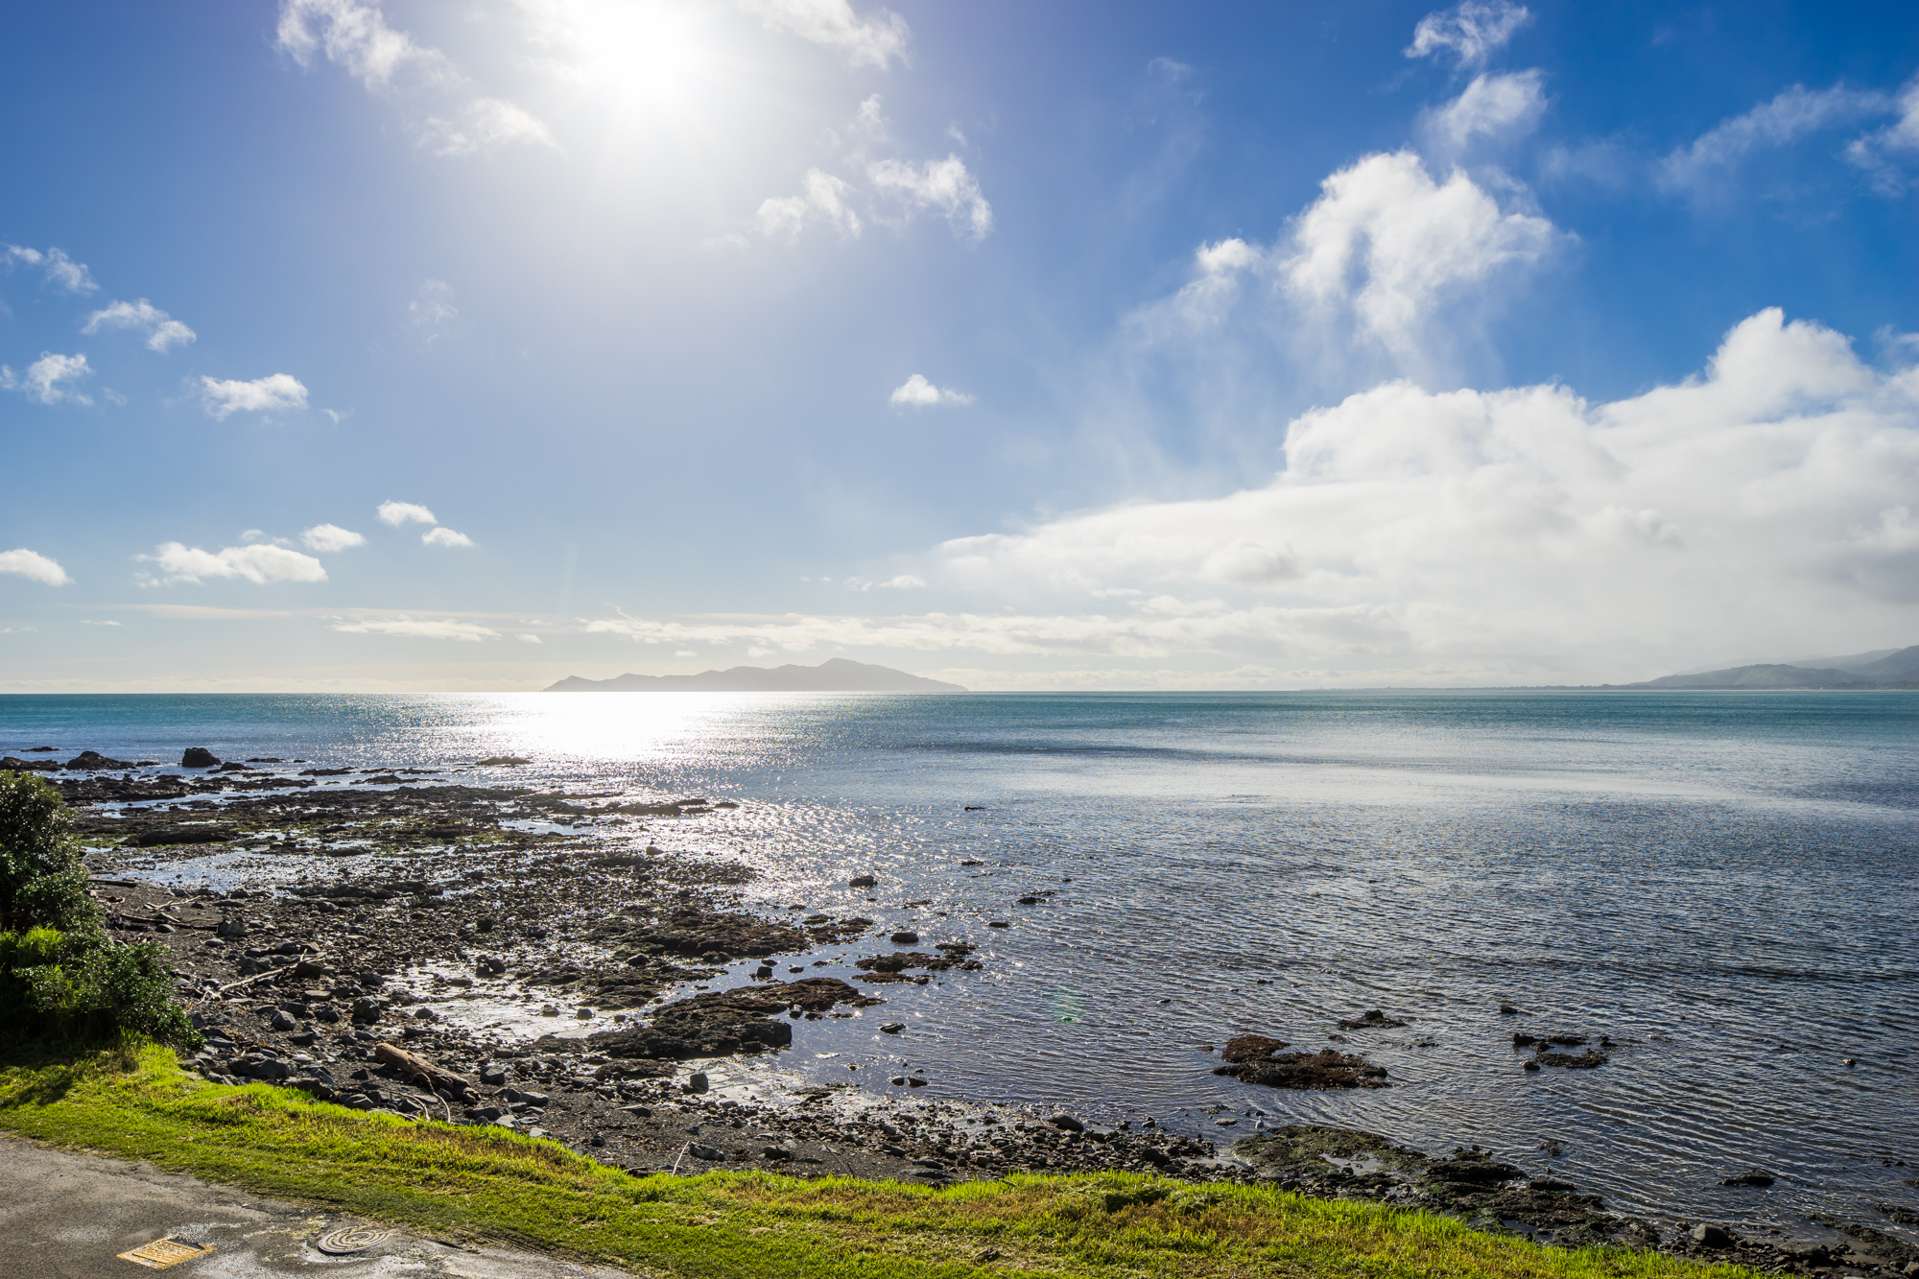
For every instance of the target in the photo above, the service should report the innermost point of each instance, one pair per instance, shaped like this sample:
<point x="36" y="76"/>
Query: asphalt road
<point x="69" y="1216"/>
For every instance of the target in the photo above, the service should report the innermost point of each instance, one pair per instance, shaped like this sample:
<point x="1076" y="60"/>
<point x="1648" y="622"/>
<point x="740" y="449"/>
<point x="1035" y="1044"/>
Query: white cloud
<point x="1387" y="241"/>
<point x="51" y="379"/>
<point x="162" y="330"/>
<point x="898" y="582"/>
<point x="398" y="513"/>
<point x="1880" y="152"/>
<point x="1494" y="107"/>
<point x="432" y="308"/>
<point x="445" y="537"/>
<point x="482" y="125"/>
<point x="53" y="264"/>
<point x="33" y="566"/>
<point x="355" y="36"/>
<point x="331" y="538"/>
<point x="1514" y="534"/>
<point x="415" y="628"/>
<point x="527" y="637"/>
<point x="943" y="185"/>
<point x="822" y="198"/>
<point x="918" y="393"/>
<point x="1469" y="32"/>
<point x="274" y="393"/>
<point x="878" y="40"/>
<point x="260" y="563"/>
<point x="1708" y="163"/>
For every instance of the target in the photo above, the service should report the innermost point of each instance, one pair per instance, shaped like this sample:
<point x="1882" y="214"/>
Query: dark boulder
<point x="199" y="757"/>
<point x="747" y="1019"/>
<point x="94" y="761"/>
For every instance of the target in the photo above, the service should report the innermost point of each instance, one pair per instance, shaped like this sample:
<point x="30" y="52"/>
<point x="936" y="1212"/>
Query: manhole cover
<point x="164" y="1254"/>
<point x="344" y="1241"/>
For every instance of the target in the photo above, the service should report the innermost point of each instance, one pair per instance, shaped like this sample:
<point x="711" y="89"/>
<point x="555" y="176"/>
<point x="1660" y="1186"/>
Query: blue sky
<point x="421" y="345"/>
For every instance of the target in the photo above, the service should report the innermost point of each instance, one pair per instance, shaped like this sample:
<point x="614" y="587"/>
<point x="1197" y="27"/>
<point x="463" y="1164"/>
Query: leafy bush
<point x="43" y="882"/>
<point x="61" y="976"/>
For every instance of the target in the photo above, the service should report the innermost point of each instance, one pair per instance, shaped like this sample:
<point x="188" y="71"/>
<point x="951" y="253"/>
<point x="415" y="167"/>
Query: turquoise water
<point x="1725" y="883"/>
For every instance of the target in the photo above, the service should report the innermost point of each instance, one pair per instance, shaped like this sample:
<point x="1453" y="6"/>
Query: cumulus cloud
<point x="398" y="513"/>
<point x="162" y="330"/>
<point x="355" y="36"/>
<point x="1468" y="33"/>
<point x="274" y="393"/>
<point x="1704" y="166"/>
<point x="330" y="539"/>
<point x="1493" y="108"/>
<point x="918" y="393"/>
<point x="528" y="637"/>
<point x="420" y="628"/>
<point x="33" y="566"/>
<point x="1520" y="533"/>
<point x="877" y="40"/>
<point x="445" y="537"/>
<point x="54" y="266"/>
<point x="823" y="198"/>
<point x="51" y="379"/>
<point x="260" y="563"/>
<point x="1388" y="242"/>
<point x="945" y="186"/>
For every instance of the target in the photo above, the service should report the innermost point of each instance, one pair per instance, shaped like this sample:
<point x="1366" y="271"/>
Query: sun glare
<point x="643" y="61"/>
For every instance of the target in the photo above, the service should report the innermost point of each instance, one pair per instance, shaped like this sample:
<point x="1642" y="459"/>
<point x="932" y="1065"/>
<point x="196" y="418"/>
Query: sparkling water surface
<point x="1727" y="884"/>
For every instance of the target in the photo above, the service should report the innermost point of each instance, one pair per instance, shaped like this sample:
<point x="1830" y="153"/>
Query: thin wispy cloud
<point x="1468" y="33"/>
<point x="420" y="628"/>
<point x="163" y="332"/>
<point x="879" y="38"/>
<point x="451" y="117"/>
<point x="53" y="265"/>
<point x="1709" y="163"/>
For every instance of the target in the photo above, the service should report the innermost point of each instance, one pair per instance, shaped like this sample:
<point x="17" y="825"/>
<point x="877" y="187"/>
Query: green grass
<point x="476" y="1182"/>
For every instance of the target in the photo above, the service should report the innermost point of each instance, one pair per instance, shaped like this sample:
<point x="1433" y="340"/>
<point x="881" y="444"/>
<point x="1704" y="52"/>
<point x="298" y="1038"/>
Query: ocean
<point x="1725" y="884"/>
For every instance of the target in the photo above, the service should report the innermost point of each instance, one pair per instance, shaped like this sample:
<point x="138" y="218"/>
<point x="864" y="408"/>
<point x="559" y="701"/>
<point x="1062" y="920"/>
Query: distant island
<point x="836" y="676"/>
<point x="1881" y="669"/>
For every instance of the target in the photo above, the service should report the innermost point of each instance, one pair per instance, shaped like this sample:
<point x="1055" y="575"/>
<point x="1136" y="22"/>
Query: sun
<point x="642" y="61"/>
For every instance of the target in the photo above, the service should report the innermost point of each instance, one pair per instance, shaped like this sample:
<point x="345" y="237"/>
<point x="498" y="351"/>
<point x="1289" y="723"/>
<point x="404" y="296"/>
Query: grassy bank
<point x="486" y="1182"/>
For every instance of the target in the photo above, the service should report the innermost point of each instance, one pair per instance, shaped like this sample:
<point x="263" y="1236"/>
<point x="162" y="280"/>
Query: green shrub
<point x="61" y="977"/>
<point x="43" y="881"/>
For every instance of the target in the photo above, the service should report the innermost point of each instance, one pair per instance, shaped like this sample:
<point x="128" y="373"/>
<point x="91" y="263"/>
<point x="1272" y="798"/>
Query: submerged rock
<point x="1259" y="1059"/>
<point x="1372" y="1019"/>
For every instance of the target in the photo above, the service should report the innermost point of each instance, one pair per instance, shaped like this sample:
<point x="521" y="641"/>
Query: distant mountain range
<point x="1883" y="668"/>
<point x="835" y="676"/>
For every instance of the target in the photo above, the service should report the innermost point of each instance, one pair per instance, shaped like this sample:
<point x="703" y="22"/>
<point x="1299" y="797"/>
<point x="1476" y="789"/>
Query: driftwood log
<point x="417" y="1069"/>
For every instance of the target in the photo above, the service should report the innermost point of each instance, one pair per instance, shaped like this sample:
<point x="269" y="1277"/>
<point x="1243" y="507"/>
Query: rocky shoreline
<point x="436" y="944"/>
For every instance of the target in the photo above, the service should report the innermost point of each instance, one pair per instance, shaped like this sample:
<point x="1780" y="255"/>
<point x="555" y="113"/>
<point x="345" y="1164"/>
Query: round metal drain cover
<point x="345" y="1241"/>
